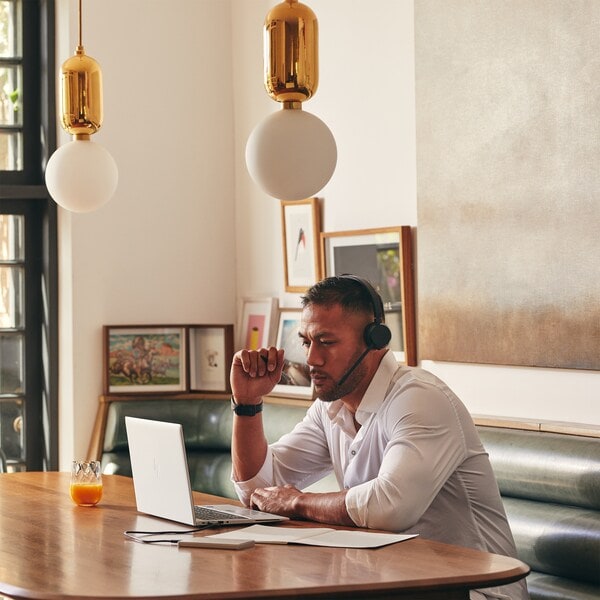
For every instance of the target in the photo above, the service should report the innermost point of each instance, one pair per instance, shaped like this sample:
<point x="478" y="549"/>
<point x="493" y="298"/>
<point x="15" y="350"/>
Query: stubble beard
<point x="336" y="392"/>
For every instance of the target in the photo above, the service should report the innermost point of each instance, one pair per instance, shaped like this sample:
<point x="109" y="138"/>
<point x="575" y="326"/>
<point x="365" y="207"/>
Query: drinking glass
<point x="86" y="482"/>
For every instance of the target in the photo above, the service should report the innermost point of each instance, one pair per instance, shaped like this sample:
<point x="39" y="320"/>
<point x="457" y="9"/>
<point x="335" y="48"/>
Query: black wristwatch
<point x="246" y="410"/>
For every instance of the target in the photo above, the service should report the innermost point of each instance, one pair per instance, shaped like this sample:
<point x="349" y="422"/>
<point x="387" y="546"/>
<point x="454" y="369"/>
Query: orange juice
<point x="86" y="494"/>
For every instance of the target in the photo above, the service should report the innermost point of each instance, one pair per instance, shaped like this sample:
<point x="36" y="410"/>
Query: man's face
<point x="333" y="340"/>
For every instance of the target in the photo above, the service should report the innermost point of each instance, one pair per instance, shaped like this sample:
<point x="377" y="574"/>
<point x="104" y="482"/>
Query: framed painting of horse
<point x="145" y="359"/>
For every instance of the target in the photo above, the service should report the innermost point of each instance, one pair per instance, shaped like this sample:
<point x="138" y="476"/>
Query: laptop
<point x="161" y="479"/>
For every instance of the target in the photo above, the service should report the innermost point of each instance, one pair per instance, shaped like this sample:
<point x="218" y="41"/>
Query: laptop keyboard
<point x="209" y="514"/>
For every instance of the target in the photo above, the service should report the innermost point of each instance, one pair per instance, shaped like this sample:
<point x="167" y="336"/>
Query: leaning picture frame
<point x="257" y="324"/>
<point x="210" y="356"/>
<point x="383" y="256"/>
<point x="295" y="379"/>
<point x="144" y="359"/>
<point x="301" y="227"/>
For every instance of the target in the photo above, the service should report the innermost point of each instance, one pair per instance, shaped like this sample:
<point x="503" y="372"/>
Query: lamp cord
<point x="80" y="27"/>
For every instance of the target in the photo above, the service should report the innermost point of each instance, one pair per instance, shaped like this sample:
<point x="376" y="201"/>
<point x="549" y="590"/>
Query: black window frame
<point x="24" y="192"/>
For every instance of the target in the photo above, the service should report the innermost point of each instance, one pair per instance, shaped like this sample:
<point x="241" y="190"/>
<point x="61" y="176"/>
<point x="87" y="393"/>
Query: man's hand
<point x="280" y="500"/>
<point x="254" y="373"/>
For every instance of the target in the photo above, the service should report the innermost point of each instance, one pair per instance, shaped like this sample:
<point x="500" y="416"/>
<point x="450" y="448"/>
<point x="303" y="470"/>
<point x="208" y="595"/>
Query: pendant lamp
<point x="81" y="176"/>
<point x="291" y="154"/>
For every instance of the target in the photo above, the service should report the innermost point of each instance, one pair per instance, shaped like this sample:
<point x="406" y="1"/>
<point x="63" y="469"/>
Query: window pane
<point x="11" y="151"/>
<point x="12" y="242"/>
<point x="10" y="27"/>
<point x="11" y="111"/>
<point x="11" y="431"/>
<point x="11" y="363"/>
<point x="11" y="298"/>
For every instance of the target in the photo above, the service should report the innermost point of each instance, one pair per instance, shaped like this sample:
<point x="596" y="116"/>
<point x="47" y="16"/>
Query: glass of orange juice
<point x="86" y="482"/>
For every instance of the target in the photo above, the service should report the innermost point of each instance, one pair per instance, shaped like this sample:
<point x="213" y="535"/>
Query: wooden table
<point x="50" y="548"/>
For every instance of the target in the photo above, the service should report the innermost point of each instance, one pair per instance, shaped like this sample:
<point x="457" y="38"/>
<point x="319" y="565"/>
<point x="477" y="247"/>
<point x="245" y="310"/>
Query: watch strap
<point x="246" y="410"/>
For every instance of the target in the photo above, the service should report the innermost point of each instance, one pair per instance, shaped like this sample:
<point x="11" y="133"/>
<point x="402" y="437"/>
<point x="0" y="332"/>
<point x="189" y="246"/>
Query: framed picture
<point x="144" y="359"/>
<point x="257" y="324"/>
<point x="301" y="226"/>
<point x="383" y="257"/>
<point x="211" y="352"/>
<point x="295" y="379"/>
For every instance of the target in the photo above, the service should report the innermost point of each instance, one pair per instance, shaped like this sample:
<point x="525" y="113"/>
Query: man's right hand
<point x="254" y="373"/>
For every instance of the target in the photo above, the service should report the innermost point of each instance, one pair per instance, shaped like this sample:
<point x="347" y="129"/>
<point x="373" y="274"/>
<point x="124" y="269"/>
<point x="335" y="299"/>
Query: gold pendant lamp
<point x="291" y="154"/>
<point x="81" y="175"/>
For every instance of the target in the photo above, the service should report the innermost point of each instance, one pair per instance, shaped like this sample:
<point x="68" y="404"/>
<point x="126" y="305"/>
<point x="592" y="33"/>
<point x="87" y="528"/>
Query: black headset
<point x="377" y="334"/>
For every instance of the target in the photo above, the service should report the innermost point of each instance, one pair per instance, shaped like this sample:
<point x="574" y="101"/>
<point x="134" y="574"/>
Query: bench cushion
<point x="549" y="467"/>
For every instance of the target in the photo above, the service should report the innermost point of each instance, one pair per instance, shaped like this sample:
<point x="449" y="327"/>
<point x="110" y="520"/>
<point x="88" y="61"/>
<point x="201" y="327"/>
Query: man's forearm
<point x="248" y="446"/>
<point x="324" y="508"/>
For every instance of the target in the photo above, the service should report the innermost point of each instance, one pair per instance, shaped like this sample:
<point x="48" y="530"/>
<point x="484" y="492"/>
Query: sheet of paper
<point x="263" y="534"/>
<point x="315" y="536"/>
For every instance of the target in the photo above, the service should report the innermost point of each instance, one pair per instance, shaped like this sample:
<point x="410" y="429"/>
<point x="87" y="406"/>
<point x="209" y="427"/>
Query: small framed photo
<point x="211" y="352"/>
<point x="295" y="378"/>
<point x="257" y="326"/>
<point x="383" y="257"/>
<point x="145" y="359"/>
<point x="301" y="226"/>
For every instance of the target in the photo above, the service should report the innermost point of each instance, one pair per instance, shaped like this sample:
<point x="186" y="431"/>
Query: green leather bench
<point x="550" y="482"/>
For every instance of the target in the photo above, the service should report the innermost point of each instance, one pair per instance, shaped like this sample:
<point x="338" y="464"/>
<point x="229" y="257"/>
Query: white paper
<point x="314" y="536"/>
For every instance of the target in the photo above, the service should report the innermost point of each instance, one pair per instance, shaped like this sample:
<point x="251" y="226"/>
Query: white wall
<point x="163" y="250"/>
<point x="188" y="232"/>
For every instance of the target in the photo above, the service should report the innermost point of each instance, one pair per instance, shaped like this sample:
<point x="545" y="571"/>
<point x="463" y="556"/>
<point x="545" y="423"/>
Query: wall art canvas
<point x="144" y="359"/>
<point x="508" y="185"/>
<point x="301" y="225"/>
<point x="257" y="323"/>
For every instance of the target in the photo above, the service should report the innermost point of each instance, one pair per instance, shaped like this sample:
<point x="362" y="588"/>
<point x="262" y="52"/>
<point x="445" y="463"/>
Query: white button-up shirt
<point x="416" y="465"/>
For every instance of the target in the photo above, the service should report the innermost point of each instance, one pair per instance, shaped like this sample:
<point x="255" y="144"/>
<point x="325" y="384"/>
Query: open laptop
<point x="161" y="479"/>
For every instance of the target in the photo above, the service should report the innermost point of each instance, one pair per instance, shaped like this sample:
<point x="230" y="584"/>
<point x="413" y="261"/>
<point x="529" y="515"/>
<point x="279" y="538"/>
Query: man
<point x="403" y="447"/>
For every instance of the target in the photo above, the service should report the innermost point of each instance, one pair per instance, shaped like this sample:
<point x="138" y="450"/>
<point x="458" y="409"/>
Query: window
<point x="28" y="272"/>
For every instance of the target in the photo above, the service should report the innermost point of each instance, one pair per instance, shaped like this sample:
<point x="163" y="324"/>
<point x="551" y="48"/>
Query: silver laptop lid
<point x="159" y="467"/>
<point x="161" y="478"/>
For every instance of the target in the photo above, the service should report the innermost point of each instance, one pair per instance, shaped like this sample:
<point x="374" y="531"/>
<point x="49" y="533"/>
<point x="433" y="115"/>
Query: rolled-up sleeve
<point x="424" y="447"/>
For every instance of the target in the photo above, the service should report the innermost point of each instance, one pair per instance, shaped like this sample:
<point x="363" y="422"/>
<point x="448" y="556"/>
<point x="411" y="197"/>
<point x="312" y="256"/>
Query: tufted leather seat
<point x="550" y="482"/>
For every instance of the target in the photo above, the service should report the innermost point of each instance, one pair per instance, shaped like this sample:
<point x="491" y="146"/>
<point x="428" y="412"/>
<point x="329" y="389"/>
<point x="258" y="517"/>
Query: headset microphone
<point x="351" y="369"/>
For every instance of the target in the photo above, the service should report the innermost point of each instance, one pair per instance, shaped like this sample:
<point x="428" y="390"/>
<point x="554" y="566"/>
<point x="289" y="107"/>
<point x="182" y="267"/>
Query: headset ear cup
<point x="377" y="335"/>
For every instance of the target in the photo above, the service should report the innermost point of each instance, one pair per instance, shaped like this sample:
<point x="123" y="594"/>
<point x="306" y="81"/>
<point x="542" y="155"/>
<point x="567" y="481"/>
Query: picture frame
<point x="144" y="359"/>
<point x="383" y="256"/>
<point x="295" y="381"/>
<point x="257" y="325"/>
<point x="301" y="227"/>
<point x="210" y="356"/>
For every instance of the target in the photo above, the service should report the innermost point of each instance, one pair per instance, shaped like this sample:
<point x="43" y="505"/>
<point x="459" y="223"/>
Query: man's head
<point x="341" y="323"/>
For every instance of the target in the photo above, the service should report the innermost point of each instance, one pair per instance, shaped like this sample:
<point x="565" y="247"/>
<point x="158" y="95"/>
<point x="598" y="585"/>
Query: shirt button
<point x="353" y="452"/>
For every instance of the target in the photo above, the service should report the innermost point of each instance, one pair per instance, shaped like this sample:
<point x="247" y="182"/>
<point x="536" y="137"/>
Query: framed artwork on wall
<point x="210" y="355"/>
<point x="301" y="226"/>
<point x="295" y="379"/>
<point x="383" y="256"/>
<point x="257" y="324"/>
<point x="145" y="359"/>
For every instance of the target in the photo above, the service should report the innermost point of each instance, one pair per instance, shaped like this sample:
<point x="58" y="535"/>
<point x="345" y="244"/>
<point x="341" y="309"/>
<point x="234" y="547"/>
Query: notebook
<point x="161" y="479"/>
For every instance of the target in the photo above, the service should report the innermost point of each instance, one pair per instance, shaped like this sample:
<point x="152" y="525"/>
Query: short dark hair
<point x="350" y="294"/>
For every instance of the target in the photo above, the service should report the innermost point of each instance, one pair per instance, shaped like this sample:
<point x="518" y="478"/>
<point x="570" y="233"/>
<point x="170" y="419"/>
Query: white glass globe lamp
<point x="291" y="154"/>
<point x="81" y="176"/>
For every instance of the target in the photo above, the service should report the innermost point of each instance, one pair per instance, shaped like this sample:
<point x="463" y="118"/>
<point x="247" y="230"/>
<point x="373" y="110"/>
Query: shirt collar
<point x="378" y="387"/>
<point x="375" y="393"/>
